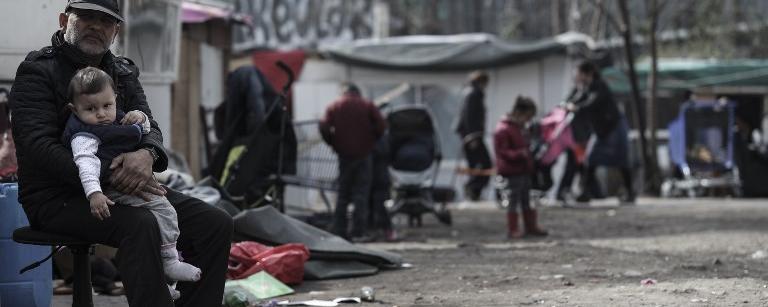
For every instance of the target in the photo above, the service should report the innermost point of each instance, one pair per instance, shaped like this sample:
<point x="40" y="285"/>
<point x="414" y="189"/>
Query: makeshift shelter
<point x="432" y="70"/>
<point x="690" y="74"/>
<point x="436" y="67"/>
<point x="744" y="81"/>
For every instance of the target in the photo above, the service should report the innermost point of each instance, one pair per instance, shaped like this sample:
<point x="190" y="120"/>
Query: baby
<point x="96" y="129"/>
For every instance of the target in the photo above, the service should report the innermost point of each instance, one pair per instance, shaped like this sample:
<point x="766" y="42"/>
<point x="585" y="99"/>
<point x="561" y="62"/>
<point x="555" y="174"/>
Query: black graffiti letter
<point x="335" y="17"/>
<point x="361" y="18"/>
<point x="303" y="15"/>
<point x="281" y="18"/>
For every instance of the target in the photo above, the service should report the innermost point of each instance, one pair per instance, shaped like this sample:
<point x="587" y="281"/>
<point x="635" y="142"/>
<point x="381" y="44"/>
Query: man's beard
<point x="75" y="38"/>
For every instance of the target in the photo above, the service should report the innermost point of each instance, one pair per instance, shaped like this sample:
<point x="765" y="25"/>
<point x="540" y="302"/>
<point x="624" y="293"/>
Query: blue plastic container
<point x="33" y="288"/>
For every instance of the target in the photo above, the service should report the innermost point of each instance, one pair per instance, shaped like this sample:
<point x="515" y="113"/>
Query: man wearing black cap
<point x="50" y="190"/>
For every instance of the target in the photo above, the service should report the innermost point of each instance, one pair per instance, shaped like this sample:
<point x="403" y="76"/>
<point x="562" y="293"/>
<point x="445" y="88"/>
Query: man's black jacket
<point x="472" y="114"/>
<point x="47" y="172"/>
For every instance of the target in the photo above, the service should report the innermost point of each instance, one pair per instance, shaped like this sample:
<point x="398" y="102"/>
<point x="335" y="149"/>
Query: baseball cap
<point x="105" y="6"/>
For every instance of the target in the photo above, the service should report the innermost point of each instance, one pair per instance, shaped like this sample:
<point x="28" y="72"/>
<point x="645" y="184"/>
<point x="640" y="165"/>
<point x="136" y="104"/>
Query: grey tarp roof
<point x="449" y="52"/>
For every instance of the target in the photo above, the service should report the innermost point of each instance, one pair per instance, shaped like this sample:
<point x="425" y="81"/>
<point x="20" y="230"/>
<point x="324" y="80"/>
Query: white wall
<point x="506" y="84"/>
<point x="546" y="80"/>
<point x="212" y="80"/>
<point x="26" y="25"/>
<point x="318" y="86"/>
<point x="158" y="94"/>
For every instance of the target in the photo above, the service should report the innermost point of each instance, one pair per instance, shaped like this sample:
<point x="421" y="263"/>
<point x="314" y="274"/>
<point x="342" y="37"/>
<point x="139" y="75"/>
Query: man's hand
<point x="132" y="174"/>
<point x="571" y="107"/>
<point x="99" y="205"/>
<point x="133" y="117"/>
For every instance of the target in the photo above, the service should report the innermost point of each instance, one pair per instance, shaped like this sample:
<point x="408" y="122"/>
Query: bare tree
<point x="654" y="10"/>
<point x="623" y="26"/>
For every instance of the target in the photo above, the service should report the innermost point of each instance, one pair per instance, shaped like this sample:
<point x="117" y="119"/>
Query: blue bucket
<point x="34" y="287"/>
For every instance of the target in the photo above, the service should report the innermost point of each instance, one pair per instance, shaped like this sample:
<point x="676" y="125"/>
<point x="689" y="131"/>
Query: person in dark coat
<point x="598" y="113"/>
<point x="249" y="117"/>
<point x="49" y="185"/>
<point x="381" y="187"/>
<point x="351" y="126"/>
<point x="471" y="129"/>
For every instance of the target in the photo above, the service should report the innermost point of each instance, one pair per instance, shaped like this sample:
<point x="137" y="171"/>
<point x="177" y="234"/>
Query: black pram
<point x="415" y="162"/>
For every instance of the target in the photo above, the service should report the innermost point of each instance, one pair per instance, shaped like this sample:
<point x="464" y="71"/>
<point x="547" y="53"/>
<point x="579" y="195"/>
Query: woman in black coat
<point x="597" y="113"/>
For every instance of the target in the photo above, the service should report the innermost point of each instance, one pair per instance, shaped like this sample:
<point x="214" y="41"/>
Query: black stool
<point x="81" y="286"/>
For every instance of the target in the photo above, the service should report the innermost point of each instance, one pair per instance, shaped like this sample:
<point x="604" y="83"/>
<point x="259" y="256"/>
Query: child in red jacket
<point x="514" y="162"/>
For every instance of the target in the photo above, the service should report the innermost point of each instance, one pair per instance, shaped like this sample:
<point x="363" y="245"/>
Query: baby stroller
<point x="549" y="137"/>
<point x="701" y="149"/>
<point x="415" y="162"/>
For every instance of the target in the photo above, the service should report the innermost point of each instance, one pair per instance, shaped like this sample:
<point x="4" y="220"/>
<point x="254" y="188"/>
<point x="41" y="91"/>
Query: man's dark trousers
<point x="206" y="233"/>
<point x="477" y="158"/>
<point x="378" y="217"/>
<point x="354" y="187"/>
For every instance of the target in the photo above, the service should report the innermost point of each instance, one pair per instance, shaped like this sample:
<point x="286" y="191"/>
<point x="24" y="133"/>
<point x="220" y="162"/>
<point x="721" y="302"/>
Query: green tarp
<point x="682" y="74"/>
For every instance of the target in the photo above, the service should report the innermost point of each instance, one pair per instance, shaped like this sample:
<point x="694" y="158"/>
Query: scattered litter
<point x="759" y="255"/>
<point x="268" y="304"/>
<point x="699" y="300"/>
<point x="406" y="265"/>
<point x="567" y="266"/>
<point x="235" y="299"/>
<point x="717" y="261"/>
<point x="509" y="279"/>
<point x="367" y="294"/>
<point x="633" y="274"/>
<point x="648" y="282"/>
<point x="321" y="303"/>
<point x="316" y="293"/>
<point x="610" y="212"/>
<point x="568" y="283"/>
<point x="258" y="286"/>
<point x="685" y="291"/>
<point x="694" y="267"/>
<point x="558" y="276"/>
<point x="719" y="293"/>
<point x="544" y="277"/>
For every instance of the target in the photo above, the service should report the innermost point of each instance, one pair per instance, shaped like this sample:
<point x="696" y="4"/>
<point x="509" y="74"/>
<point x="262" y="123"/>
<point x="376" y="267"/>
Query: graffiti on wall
<point x="301" y="23"/>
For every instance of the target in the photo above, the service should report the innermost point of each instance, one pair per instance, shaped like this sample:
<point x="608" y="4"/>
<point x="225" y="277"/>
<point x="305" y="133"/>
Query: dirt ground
<point x="698" y="253"/>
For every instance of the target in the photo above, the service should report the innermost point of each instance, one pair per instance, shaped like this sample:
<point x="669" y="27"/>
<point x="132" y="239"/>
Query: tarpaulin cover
<point x="197" y="13"/>
<point x="265" y="62"/>
<point x="269" y="226"/>
<point x="325" y="269"/>
<point x="450" y="52"/>
<point x="684" y="74"/>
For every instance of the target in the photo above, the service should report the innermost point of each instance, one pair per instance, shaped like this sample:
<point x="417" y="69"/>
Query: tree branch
<point x="611" y="19"/>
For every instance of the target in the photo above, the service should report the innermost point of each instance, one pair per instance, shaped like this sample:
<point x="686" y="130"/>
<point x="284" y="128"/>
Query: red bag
<point x="284" y="262"/>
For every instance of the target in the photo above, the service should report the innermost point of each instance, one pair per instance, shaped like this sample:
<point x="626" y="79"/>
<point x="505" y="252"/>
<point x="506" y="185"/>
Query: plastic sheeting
<point x="269" y="226"/>
<point x="450" y="52"/>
